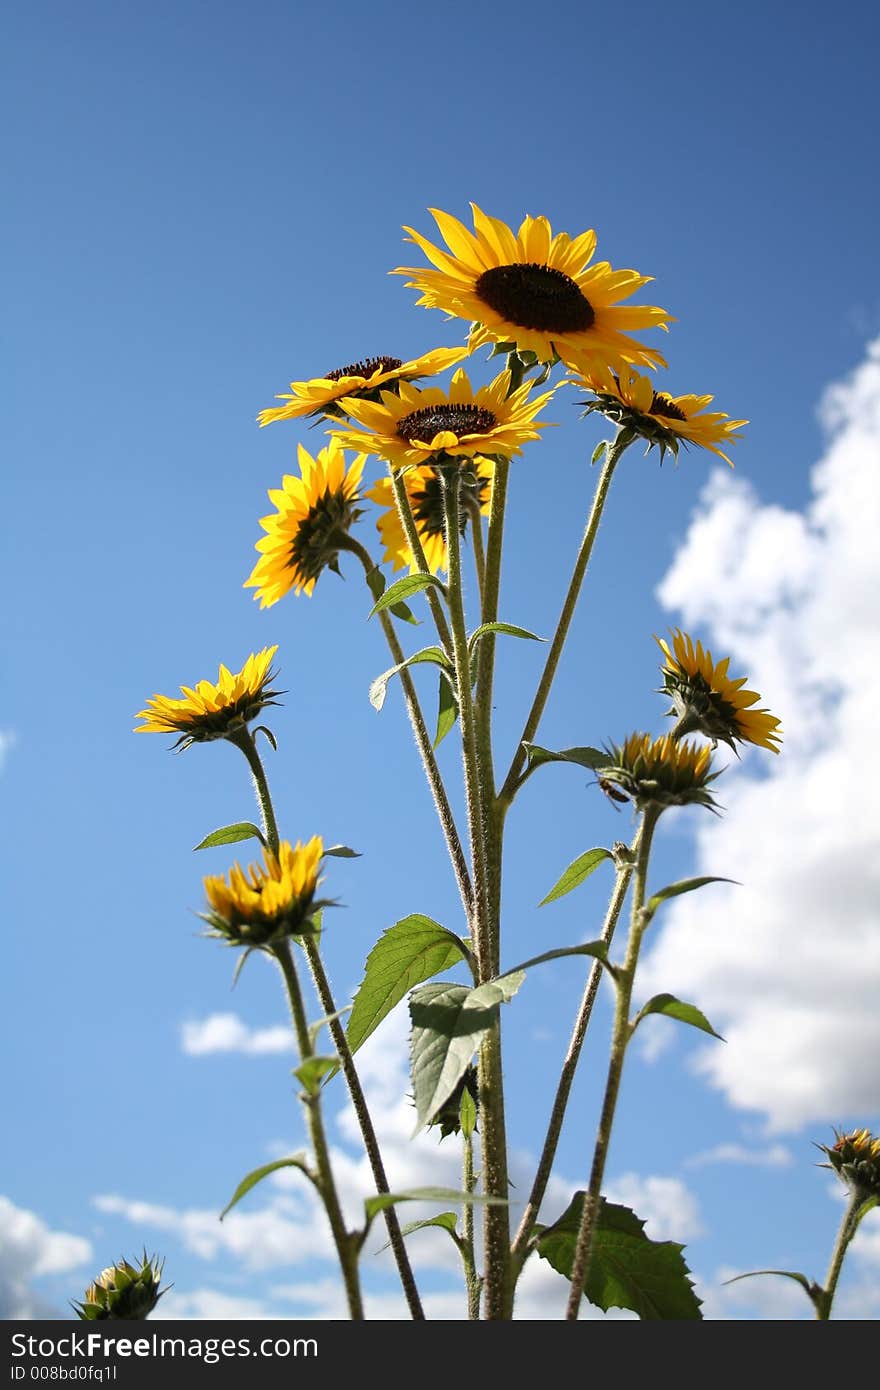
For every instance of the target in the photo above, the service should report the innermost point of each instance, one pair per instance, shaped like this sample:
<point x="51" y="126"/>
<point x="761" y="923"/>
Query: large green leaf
<point x="578" y="870"/>
<point x="435" y="655"/>
<point x="296" y="1161"/>
<point x="404" y="588"/>
<point x="448" y="1024"/>
<point x="413" y="950"/>
<point x="231" y="834"/>
<point x="670" y="1007"/>
<point x="628" y="1270"/>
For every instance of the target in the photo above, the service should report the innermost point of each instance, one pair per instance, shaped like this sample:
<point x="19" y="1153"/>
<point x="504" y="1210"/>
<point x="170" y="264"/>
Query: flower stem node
<point x="123" y="1292"/>
<point x="855" y="1158"/>
<point x="661" y="772"/>
<point x="267" y="902"/>
<point x="705" y="700"/>
<point x="212" y="711"/>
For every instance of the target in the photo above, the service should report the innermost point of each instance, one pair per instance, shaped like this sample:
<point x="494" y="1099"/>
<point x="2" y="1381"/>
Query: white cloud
<point x="29" y="1249"/>
<point x="7" y="743"/>
<point x="228" y="1033"/>
<point x="768" y="1156"/>
<point x="668" y="1209"/>
<point x="788" y="966"/>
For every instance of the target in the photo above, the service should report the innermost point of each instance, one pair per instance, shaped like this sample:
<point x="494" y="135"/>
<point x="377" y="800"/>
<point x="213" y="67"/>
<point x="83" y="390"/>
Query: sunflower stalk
<point x="521" y="1244"/>
<point x="622" y="439"/>
<point x="473" y="1283"/>
<point x="414" y="540"/>
<point x="622" y="1032"/>
<point x="498" y="1287"/>
<point x="824" y="1298"/>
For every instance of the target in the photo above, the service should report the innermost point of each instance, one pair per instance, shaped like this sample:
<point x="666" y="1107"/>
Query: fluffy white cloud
<point x="768" y="1156"/>
<point x="228" y="1033"/>
<point x="788" y="966"/>
<point x="668" y="1209"/>
<point x="29" y="1249"/>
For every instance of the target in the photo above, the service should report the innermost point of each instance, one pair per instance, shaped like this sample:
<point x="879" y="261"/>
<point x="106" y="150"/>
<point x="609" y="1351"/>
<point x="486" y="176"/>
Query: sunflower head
<point x="314" y="511"/>
<point x="211" y="710"/>
<point x="361" y="380"/>
<point x="425" y="492"/>
<point x="123" y="1292"/>
<point x="434" y="426"/>
<point x="660" y="772"/>
<point x="855" y="1158"/>
<point x="535" y="290"/>
<point x="666" y="422"/>
<point x="706" y="700"/>
<point x="267" y="902"/>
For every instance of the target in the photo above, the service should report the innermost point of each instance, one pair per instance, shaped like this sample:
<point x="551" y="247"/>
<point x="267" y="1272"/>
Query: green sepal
<point x="341" y="852"/>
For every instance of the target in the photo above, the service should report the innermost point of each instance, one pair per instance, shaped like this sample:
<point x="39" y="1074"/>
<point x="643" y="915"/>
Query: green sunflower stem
<point x="520" y="1248"/>
<point x="613" y="453"/>
<point x="848" y="1227"/>
<point x="498" y="1286"/>
<point x="345" y="1241"/>
<point x="245" y="741"/>
<point x="359" y="1103"/>
<point x="476" y="520"/>
<point x="620" y="1038"/>
<point x="414" y="540"/>
<point x="423" y="740"/>
<point x="472" y="1280"/>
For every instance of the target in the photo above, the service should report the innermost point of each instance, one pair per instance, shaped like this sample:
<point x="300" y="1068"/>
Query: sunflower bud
<point x="123" y="1292"/>
<point x="855" y="1158"/>
<point x="660" y="772"/>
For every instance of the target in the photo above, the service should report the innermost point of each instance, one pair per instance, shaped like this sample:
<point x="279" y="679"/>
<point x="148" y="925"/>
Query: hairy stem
<point x="371" y="1143"/>
<point x="244" y="740"/>
<point x="848" y="1227"/>
<point x="472" y="1280"/>
<point x="620" y="1038"/>
<point x="612" y="455"/>
<point x="414" y="540"/>
<point x="520" y="1247"/>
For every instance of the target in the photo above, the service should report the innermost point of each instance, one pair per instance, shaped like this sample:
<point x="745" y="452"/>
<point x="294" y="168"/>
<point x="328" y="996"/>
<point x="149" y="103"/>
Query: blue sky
<point x="203" y="205"/>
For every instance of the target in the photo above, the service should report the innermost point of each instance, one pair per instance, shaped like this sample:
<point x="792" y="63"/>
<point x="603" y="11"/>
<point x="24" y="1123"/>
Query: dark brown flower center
<point x="536" y="296"/>
<point x="424" y="424"/>
<point x="366" y="368"/>
<point x="662" y="405"/>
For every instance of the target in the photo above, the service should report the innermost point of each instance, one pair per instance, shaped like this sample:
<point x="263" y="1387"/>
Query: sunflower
<point x="660" y="771"/>
<point x="124" y="1292"/>
<point x="425" y="493"/>
<point x="417" y="426"/>
<point x="214" y="711"/>
<point x="855" y="1158"/>
<point x="706" y="700"/>
<point x="268" y="901"/>
<point x="304" y="534"/>
<point x="535" y="291"/>
<point x="667" y="421"/>
<point x="362" y="380"/>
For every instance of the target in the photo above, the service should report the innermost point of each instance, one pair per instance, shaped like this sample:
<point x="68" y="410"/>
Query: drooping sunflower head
<point x="660" y="771"/>
<point x="361" y="380"/>
<point x="855" y="1158"/>
<point x="313" y="513"/>
<point x="212" y="710"/>
<point x="534" y="290"/>
<point x="270" y="901"/>
<point x="705" y="700"/>
<point x="123" y="1292"/>
<point x="419" y="427"/>
<point x="666" y="422"/>
<point x="425" y="492"/>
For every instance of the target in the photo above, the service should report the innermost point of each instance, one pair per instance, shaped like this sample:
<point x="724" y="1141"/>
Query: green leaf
<point x="411" y="951"/>
<point x="435" y="655"/>
<point x="447" y="710"/>
<point x="446" y="1220"/>
<point x="449" y="1022"/>
<point x="264" y="729"/>
<point x="258" y="1174"/>
<point x="341" y="852"/>
<point x="376" y="582"/>
<point x="578" y="870"/>
<point x="467" y="1113"/>
<point x="374" y="1205"/>
<point x="313" y="1070"/>
<point x="508" y="628"/>
<point x="599" y="451"/>
<point x="231" y="834"/>
<point x="592" y="758"/>
<point x="628" y="1270"/>
<point x="815" y="1293"/>
<point x="597" y="949"/>
<point x="404" y="588"/>
<point x="684" y="885"/>
<point x="315" y="1028"/>
<point x="668" y="1005"/>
